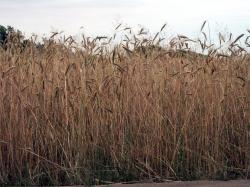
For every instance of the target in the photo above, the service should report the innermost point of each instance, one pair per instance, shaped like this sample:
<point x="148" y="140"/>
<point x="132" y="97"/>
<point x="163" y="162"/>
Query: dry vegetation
<point x="131" y="111"/>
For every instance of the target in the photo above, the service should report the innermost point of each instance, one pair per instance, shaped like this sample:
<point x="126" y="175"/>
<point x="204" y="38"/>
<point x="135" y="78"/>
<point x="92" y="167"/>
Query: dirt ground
<point x="235" y="183"/>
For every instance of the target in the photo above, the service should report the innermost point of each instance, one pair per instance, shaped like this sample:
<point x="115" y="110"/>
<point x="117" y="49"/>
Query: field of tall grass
<point x="143" y="108"/>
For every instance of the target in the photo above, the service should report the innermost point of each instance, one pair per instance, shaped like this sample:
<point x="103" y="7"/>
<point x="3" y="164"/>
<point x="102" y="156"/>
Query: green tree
<point x="3" y="35"/>
<point x="9" y="34"/>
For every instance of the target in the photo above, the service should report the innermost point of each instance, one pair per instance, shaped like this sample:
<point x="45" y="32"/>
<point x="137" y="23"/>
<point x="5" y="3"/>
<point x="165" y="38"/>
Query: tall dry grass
<point x="102" y="113"/>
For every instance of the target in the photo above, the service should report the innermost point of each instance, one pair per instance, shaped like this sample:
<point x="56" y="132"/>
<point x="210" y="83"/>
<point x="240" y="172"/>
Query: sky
<point x="99" y="17"/>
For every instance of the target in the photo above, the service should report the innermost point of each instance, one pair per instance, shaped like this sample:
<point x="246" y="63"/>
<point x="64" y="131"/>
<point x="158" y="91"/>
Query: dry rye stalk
<point x="144" y="108"/>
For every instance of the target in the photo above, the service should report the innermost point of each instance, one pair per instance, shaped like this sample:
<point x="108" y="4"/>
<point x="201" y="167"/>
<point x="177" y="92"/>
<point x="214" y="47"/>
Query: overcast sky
<point x="101" y="16"/>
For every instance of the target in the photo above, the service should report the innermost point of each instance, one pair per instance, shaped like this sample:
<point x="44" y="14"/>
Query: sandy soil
<point x="235" y="183"/>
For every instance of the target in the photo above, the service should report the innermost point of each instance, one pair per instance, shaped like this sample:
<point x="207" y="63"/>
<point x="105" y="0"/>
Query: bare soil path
<point x="233" y="183"/>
